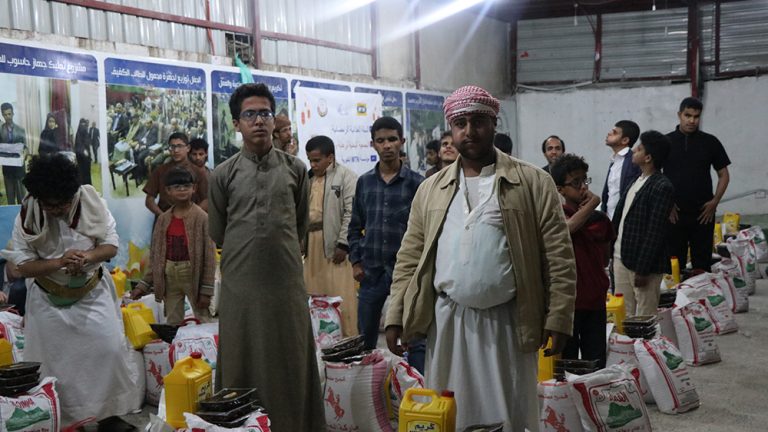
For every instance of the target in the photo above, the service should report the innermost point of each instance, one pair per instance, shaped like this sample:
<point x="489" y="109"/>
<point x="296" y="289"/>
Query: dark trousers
<point x="18" y="295"/>
<point x="95" y="152"/>
<point x="374" y="290"/>
<point x="689" y="232"/>
<point x="14" y="188"/>
<point x="588" y="337"/>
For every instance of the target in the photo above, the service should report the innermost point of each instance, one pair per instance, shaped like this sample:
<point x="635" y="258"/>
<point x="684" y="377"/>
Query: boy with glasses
<point x="182" y="256"/>
<point x="640" y="219"/>
<point x="592" y="236"/>
<point x="259" y="213"/>
<point x="178" y="145"/>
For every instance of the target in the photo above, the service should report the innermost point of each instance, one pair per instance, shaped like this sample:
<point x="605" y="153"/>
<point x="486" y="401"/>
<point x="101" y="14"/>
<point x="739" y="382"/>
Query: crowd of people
<point x="55" y="137"/>
<point x="139" y="129"/>
<point x="486" y="255"/>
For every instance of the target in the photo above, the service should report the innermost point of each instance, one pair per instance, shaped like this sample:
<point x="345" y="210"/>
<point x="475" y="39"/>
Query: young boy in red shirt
<point x="592" y="235"/>
<point x="182" y="255"/>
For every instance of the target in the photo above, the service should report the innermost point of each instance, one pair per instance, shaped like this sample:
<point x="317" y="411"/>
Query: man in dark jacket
<point x="15" y="138"/>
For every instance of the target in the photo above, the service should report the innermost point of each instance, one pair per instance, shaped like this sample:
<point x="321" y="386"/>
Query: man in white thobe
<point x="486" y="271"/>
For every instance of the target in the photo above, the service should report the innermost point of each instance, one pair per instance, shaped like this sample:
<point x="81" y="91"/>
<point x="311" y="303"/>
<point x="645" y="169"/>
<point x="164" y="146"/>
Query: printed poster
<point x="145" y="103"/>
<point x="424" y="122"/>
<point x="392" y="103"/>
<point x="344" y="117"/>
<point x="47" y="97"/>
<point x="226" y="141"/>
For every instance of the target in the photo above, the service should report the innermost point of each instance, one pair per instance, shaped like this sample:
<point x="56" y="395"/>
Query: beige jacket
<point x="202" y="254"/>
<point x="539" y="244"/>
<point x="340" y="184"/>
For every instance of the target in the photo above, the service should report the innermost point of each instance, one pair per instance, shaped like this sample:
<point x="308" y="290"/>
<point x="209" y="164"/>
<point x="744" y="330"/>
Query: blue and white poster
<point x="344" y="117"/>
<point x="392" y="101"/>
<point x="223" y="84"/>
<point x="146" y="103"/>
<point x="424" y="122"/>
<point x="49" y="104"/>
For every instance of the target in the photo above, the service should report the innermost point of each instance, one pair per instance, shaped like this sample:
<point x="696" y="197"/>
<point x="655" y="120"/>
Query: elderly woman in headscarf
<point x="61" y="239"/>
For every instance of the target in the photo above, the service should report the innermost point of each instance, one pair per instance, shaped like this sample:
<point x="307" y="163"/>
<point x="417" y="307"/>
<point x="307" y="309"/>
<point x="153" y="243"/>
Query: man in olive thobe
<point x="258" y="211"/>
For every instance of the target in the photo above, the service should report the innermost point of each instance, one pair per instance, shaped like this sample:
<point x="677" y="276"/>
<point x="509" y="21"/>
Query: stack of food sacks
<point x="695" y="332"/>
<point x="704" y="289"/>
<point x="743" y="253"/>
<point x="557" y="408"/>
<point x="32" y="411"/>
<point x="730" y="279"/>
<point x="202" y="338"/>
<point x="12" y="329"/>
<point x="354" y="396"/>
<point x="664" y="369"/>
<point x="326" y="320"/>
<point x="621" y="351"/>
<point x="609" y="400"/>
<point x="363" y="390"/>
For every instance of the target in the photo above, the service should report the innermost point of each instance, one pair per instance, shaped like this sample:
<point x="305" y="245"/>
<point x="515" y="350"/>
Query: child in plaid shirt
<point x="641" y="221"/>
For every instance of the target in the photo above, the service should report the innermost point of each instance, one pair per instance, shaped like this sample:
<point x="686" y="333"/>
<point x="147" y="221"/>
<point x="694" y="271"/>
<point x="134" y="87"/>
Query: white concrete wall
<point x="734" y="111"/>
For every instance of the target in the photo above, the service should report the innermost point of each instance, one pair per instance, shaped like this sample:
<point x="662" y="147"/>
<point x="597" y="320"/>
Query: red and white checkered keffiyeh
<point x="470" y="100"/>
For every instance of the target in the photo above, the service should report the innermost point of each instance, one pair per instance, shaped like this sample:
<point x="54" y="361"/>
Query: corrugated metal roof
<point x="315" y="20"/>
<point x="554" y="49"/>
<point x="743" y="35"/>
<point x="68" y="20"/>
<point x="707" y="26"/>
<point x="645" y="44"/>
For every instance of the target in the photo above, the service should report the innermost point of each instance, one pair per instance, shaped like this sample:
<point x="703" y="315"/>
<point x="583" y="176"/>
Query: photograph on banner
<point x="392" y="103"/>
<point x="226" y="141"/>
<point x="302" y="114"/>
<point x="146" y="104"/>
<point x="425" y="122"/>
<point x="344" y="117"/>
<point x="49" y="104"/>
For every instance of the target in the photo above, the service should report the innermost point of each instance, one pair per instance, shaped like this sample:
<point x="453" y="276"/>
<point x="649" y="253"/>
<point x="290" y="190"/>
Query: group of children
<point x="635" y="235"/>
<point x="182" y="260"/>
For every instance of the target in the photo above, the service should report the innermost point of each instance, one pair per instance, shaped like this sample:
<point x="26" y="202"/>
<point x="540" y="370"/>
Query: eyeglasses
<point x="578" y="183"/>
<point x="251" y="115"/>
<point x="57" y="206"/>
<point x="177" y="146"/>
<point x="180" y="187"/>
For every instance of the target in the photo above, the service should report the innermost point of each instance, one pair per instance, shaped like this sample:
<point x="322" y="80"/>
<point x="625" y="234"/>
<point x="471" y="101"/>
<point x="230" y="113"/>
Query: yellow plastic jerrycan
<point x="137" y="317"/>
<point x="120" y="280"/>
<point x="437" y="415"/>
<point x="615" y="312"/>
<point x="189" y="382"/>
<point x="6" y="352"/>
<point x="675" y="264"/>
<point x="718" y="235"/>
<point x="547" y="364"/>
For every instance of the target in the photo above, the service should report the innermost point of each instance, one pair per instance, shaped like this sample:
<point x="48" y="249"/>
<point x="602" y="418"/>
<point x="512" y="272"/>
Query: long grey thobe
<point x="258" y="211"/>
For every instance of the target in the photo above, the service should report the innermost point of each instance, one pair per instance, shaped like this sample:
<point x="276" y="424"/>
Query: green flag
<point x="245" y="74"/>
